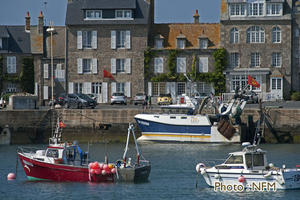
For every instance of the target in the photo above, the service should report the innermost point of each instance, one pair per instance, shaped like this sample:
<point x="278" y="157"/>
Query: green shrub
<point x="295" y="96"/>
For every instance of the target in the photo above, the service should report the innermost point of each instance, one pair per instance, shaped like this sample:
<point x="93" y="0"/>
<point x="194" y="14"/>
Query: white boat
<point x="187" y="127"/>
<point x="248" y="170"/>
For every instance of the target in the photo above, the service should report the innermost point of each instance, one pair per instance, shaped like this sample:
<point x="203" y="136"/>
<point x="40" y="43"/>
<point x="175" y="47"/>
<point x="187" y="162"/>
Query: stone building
<point x="296" y="48"/>
<point x="14" y="47"/>
<point x="194" y="44"/>
<point x="257" y="35"/>
<point x="106" y="35"/>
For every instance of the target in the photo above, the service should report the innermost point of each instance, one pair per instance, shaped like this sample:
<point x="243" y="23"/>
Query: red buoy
<point x="11" y="176"/>
<point x="113" y="170"/>
<point x="241" y="179"/>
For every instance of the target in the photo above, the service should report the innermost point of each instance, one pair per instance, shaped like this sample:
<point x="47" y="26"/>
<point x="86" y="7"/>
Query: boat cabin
<point x="247" y="159"/>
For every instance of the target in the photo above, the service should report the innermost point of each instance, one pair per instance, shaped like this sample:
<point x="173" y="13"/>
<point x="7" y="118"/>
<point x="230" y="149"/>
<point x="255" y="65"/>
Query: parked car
<point x="139" y="98"/>
<point x="79" y="101"/>
<point x="92" y="96"/>
<point x="60" y="100"/>
<point x="2" y="103"/>
<point x="164" y="99"/>
<point x="118" y="97"/>
<point x="251" y="96"/>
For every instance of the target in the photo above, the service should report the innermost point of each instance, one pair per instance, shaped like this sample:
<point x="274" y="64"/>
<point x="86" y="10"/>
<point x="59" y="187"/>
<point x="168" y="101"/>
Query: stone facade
<point x="275" y="77"/>
<point x="296" y="48"/>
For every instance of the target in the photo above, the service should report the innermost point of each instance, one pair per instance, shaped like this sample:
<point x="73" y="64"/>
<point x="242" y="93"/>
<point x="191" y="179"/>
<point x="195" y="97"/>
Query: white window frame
<point x="87" y="65"/>
<point x="203" y="64"/>
<point x="237" y="9"/>
<point x="234" y="36"/>
<point x="255" y="59"/>
<point x="78" y="88"/>
<point x="275" y="83"/>
<point x="256" y="8"/>
<point x="94" y="14"/>
<point x="158" y="43"/>
<point x="11" y="87"/>
<point x="255" y="34"/>
<point x="158" y="65"/>
<point x="46" y="70"/>
<point x="276" y="59"/>
<point x="234" y="60"/>
<point x="123" y="14"/>
<point x="158" y="88"/>
<point x="121" y="39"/>
<point x="203" y="43"/>
<point x="11" y="64"/>
<point x="87" y="39"/>
<point x="276" y="35"/>
<point x="120" y="65"/>
<point x="120" y="87"/>
<point x="181" y="88"/>
<point x="181" y="65"/>
<point x="181" y="43"/>
<point x="274" y="9"/>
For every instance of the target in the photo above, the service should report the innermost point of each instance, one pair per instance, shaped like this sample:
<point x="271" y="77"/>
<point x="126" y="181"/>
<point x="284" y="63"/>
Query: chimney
<point x="27" y="22"/>
<point x="41" y="23"/>
<point x="196" y="17"/>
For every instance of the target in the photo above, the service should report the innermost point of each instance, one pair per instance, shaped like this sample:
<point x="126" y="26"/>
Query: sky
<point x="13" y="12"/>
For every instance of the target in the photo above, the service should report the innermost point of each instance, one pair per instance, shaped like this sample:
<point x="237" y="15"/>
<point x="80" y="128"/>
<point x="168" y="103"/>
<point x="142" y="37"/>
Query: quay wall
<point x="110" y="125"/>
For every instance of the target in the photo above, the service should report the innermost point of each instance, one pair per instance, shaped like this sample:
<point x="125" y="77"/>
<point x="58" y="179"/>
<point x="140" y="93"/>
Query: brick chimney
<point x="41" y="23"/>
<point x="196" y="17"/>
<point x="27" y="22"/>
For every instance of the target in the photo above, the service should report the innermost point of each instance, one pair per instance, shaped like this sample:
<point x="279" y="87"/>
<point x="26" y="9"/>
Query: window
<point x="276" y="59"/>
<point x="234" y="160"/>
<point x="46" y="71"/>
<point x="234" y="35"/>
<point x="255" y="9"/>
<point x="274" y="9"/>
<point x="121" y="38"/>
<point x="237" y="9"/>
<point x="276" y="35"/>
<point x="158" y="65"/>
<point x="125" y="14"/>
<point x="87" y="39"/>
<point x="11" y="64"/>
<point x="158" y="88"/>
<point x="234" y="60"/>
<point x="258" y="160"/>
<point x="159" y="43"/>
<point x="181" y="65"/>
<point x="11" y="87"/>
<point x="52" y="153"/>
<point x="203" y="64"/>
<point x="59" y="72"/>
<point x="180" y="43"/>
<point x="255" y="59"/>
<point x="238" y="81"/>
<point x="255" y="34"/>
<point x="120" y="65"/>
<point x="276" y="83"/>
<point x="78" y="88"/>
<point x="180" y="88"/>
<point x="87" y="66"/>
<point x="204" y="88"/>
<point x="120" y="87"/>
<point x="204" y="43"/>
<point x="93" y="14"/>
<point x="96" y="88"/>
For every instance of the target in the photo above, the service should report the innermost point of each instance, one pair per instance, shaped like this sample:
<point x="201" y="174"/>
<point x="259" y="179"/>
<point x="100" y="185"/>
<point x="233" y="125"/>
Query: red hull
<point x="39" y="170"/>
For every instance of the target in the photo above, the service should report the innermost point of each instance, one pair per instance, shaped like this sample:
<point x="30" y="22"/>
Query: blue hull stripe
<point x="156" y="127"/>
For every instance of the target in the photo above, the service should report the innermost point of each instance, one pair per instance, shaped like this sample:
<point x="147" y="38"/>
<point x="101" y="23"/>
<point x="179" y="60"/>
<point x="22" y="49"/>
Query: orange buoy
<point x="11" y="176"/>
<point x="110" y="166"/>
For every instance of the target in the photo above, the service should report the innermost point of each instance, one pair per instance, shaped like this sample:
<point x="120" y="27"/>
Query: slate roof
<point x="75" y="11"/>
<point x="18" y="39"/>
<point x="191" y="32"/>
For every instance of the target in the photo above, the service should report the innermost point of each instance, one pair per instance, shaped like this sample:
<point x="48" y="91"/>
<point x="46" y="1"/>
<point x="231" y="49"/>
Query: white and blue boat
<point x="188" y="127"/>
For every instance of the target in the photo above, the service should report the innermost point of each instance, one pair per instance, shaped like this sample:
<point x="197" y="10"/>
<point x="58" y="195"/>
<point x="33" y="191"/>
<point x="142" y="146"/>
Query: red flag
<point x="107" y="74"/>
<point x="253" y="82"/>
<point x="62" y="125"/>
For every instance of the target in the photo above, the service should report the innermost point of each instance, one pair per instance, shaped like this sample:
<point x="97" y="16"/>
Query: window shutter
<point x="71" y="87"/>
<point x="79" y="65"/>
<point x="46" y="92"/>
<point x="128" y="89"/>
<point x="46" y="71"/>
<point x="36" y="89"/>
<point x="183" y="65"/>
<point x="104" y="92"/>
<point x="128" y="65"/>
<point x="113" y="65"/>
<point x="128" y="42"/>
<point x="95" y="64"/>
<point x="149" y="88"/>
<point x="79" y="39"/>
<point x="87" y="88"/>
<point x="161" y="65"/>
<point x="14" y="65"/>
<point x="113" y="39"/>
<point x="94" y="39"/>
<point x="173" y="90"/>
<point x="8" y="65"/>
<point x="113" y="87"/>
<point x="203" y="64"/>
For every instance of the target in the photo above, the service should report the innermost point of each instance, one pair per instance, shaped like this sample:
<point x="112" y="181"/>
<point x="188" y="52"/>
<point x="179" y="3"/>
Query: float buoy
<point x="110" y="166"/>
<point x="241" y="179"/>
<point x="113" y="170"/>
<point x="11" y="176"/>
<point x="199" y="166"/>
<point x="105" y="167"/>
<point x="103" y="172"/>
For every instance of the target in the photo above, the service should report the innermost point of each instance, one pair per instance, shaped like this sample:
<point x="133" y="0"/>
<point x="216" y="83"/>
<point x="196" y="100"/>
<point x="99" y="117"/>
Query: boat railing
<point x="213" y="162"/>
<point x="29" y="150"/>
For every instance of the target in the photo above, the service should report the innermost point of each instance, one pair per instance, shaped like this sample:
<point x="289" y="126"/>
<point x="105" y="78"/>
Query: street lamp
<point x="51" y="30"/>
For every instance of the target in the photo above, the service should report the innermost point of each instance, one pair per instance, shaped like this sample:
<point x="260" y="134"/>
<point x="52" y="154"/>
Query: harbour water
<point x="173" y="174"/>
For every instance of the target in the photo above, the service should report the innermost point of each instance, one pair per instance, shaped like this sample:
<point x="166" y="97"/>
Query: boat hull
<point x="188" y="129"/>
<point x="38" y="170"/>
<point x="134" y="174"/>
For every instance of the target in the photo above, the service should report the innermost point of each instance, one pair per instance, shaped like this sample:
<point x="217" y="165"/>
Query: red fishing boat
<point x="63" y="162"/>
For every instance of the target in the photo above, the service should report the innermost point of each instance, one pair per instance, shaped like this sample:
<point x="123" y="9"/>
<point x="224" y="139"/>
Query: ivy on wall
<point x="217" y="77"/>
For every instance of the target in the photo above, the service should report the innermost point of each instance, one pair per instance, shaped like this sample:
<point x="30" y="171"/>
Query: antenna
<point x="45" y="10"/>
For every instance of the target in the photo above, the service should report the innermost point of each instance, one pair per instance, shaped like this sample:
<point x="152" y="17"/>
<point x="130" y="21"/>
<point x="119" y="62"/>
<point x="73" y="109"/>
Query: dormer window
<point x="93" y="14"/>
<point x="274" y="9"/>
<point x="203" y="43"/>
<point x="159" y="42"/>
<point x="181" y="41"/>
<point x="123" y="14"/>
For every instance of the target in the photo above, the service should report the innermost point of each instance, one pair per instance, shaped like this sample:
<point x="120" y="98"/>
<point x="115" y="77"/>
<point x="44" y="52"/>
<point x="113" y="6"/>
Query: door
<point x="97" y="91"/>
<point x="276" y="88"/>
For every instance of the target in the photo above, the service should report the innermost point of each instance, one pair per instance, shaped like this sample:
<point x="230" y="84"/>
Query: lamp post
<point x="51" y="30"/>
